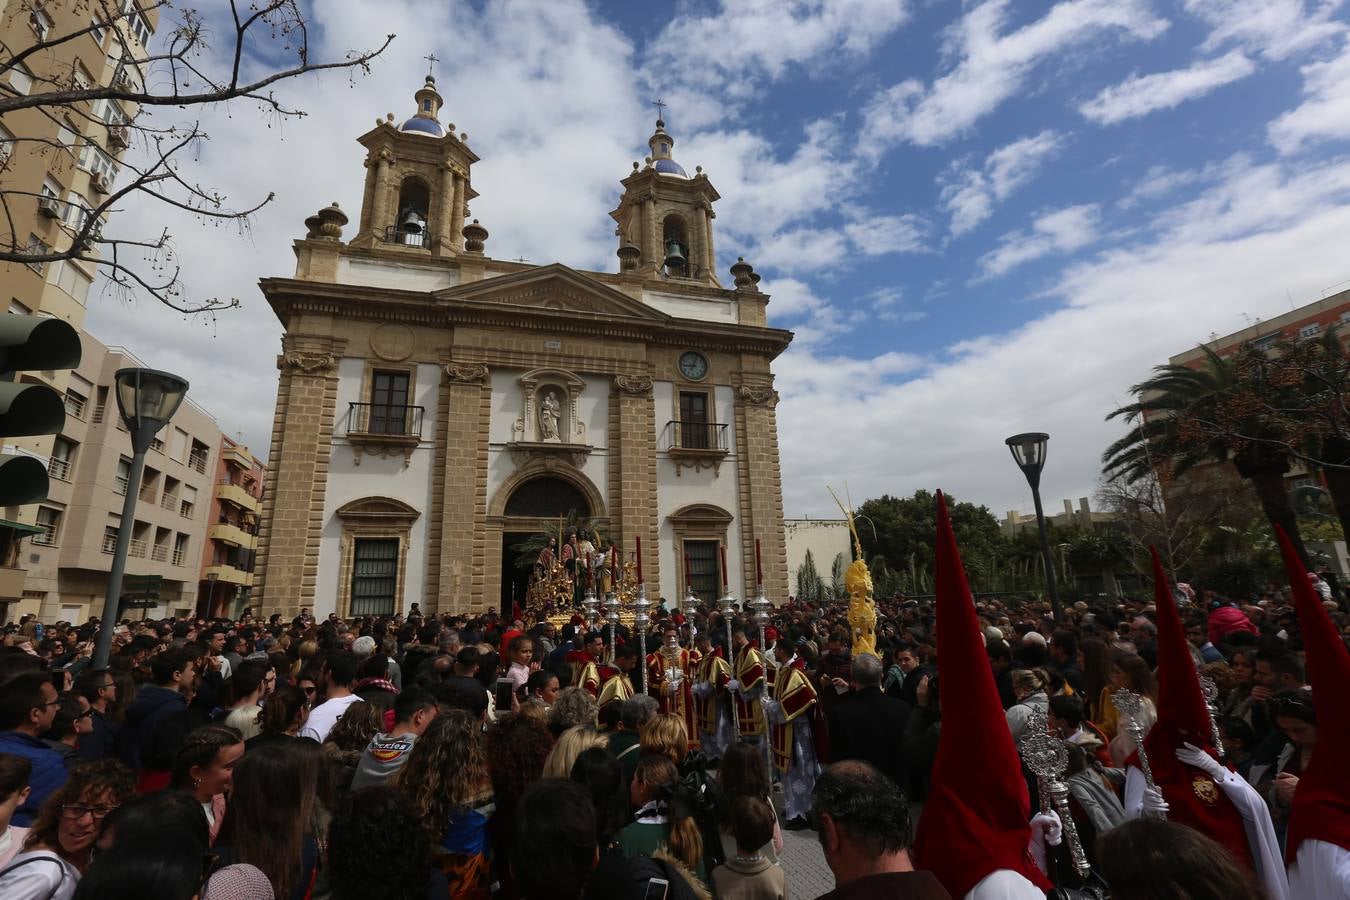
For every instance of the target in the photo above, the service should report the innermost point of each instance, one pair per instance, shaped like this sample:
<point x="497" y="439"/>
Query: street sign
<point x="141" y="603"/>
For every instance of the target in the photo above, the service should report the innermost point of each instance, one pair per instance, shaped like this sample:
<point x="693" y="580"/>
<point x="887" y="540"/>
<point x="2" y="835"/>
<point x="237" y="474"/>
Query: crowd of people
<point x="445" y="755"/>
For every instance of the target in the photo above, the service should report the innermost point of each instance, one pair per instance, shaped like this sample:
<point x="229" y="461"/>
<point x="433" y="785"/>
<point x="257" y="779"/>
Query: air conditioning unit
<point x="99" y="183"/>
<point x="122" y="81"/>
<point x="49" y="207"/>
<point x="117" y="137"/>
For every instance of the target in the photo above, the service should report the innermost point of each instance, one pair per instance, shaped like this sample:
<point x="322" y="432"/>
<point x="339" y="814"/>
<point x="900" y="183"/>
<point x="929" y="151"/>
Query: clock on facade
<point x="693" y="366"/>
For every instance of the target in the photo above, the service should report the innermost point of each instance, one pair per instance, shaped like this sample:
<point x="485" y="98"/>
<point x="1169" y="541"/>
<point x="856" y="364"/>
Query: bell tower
<point x="665" y="218"/>
<point x="417" y="181"/>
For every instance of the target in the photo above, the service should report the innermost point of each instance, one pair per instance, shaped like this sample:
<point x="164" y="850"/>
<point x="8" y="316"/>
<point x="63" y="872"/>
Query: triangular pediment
<point x="555" y="288"/>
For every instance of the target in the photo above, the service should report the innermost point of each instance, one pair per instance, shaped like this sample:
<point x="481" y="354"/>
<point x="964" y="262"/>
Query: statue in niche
<point x="550" y="411"/>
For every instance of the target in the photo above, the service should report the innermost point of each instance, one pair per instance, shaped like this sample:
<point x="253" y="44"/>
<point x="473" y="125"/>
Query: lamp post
<point x="1028" y="451"/>
<point x="147" y="399"/>
<point x="210" y="611"/>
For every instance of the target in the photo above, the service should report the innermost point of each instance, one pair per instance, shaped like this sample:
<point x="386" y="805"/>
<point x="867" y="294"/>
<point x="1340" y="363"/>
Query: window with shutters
<point x="374" y="576"/>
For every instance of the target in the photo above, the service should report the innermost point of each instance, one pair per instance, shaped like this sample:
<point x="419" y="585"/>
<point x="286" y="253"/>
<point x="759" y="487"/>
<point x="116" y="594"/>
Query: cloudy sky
<point x="978" y="217"/>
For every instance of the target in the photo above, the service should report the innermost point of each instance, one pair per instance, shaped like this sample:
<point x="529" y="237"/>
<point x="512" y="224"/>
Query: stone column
<point x="445" y="218"/>
<point x="700" y="251"/>
<point x="457" y="215"/>
<point x="287" y="567"/>
<point x="760" y="487"/>
<point x="381" y="218"/>
<point x="653" y="245"/>
<point x="456" y="579"/>
<point x="709" y="215"/>
<point x="632" y="462"/>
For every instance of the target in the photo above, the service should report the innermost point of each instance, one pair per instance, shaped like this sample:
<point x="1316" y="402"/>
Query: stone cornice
<point x="289" y="296"/>
<point x="465" y="373"/>
<point x="633" y="384"/>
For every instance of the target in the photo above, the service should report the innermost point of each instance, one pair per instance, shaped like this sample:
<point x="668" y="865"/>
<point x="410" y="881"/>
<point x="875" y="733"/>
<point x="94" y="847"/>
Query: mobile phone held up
<point x="502" y="698"/>
<point x="657" y="889"/>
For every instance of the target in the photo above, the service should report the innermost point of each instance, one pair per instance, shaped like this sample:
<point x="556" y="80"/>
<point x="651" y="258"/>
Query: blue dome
<point x="430" y="126"/>
<point x="669" y="167"/>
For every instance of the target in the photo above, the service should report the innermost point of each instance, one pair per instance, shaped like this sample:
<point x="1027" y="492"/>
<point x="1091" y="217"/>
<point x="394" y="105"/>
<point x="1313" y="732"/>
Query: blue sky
<point x="979" y="218"/>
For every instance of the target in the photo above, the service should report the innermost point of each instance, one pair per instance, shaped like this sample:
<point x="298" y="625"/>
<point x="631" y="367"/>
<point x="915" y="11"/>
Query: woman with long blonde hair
<point x="573" y="742"/>
<point x="665" y="735"/>
<point x="446" y="777"/>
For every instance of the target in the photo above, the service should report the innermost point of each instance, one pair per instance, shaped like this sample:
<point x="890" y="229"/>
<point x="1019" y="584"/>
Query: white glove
<point x="1154" y="804"/>
<point x="773" y="712"/>
<point x="1045" y="829"/>
<point x="1192" y="755"/>
<point x="734" y="685"/>
<point x="702" y="689"/>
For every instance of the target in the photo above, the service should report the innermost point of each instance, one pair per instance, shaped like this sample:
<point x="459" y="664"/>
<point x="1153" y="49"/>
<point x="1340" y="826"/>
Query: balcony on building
<point x="233" y="535"/>
<point x="695" y="444"/>
<point x="238" y="456"/>
<point x="230" y="492"/>
<point x="224" y="573"/>
<point x="384" y="429"/>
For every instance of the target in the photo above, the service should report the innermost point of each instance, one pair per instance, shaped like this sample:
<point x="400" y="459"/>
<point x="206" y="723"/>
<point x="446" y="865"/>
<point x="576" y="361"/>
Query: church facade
<point x="436" y="407"/>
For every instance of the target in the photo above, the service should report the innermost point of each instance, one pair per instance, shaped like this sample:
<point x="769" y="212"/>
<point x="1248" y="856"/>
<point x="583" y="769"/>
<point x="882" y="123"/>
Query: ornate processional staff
<point x="728" y="611"/>
<point x="1129" y="705"/>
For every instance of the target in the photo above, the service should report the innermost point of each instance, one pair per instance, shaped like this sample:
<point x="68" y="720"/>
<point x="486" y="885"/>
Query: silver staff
<point x="690" y="605"/>
<point x="1210" y="690"/>
<point x="761" y="606"/>
<point x="591" y="608"/>
<point x="612" y="617"/>
<point x="1130" y="705"/>
<point x="641" y="618"/>
<point x="1047" y="759"/>
<point x="728" y="611"/>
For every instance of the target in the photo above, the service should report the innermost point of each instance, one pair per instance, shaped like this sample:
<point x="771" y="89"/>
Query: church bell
<point x="675" y="255"/>
<point x="412" y="221"/>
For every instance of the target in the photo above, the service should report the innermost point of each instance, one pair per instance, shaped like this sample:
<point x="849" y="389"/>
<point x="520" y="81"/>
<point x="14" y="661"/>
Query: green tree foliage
<point x="898" y="535"/>
<point x="810" y="586"/>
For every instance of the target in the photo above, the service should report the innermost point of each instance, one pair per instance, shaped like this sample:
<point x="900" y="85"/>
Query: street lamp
<point x="1028" y="451"/>
<point x="147" y="399"/>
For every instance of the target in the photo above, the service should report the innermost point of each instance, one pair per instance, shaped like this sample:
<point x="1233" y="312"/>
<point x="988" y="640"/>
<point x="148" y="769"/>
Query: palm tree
<point x="1185" y="417"/>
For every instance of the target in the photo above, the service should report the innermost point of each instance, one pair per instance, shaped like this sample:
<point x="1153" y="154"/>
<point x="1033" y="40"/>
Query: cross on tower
<point x="431" y="61"/>
<point x="660" y="109"/>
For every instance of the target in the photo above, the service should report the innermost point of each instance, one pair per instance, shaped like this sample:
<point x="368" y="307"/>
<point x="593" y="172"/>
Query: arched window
<point x="547" y="497"/>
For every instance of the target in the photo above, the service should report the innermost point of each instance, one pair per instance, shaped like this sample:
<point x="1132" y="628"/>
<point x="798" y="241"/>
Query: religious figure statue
<point x="862" y="611"/>
<point x="550" y="411"/>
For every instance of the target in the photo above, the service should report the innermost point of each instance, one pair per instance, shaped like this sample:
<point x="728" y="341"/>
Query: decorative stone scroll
<point x="633" y="384"/>
<point x="466" y="373"/>
<point x="753" y="395"/>
<point x="308" y="363"/>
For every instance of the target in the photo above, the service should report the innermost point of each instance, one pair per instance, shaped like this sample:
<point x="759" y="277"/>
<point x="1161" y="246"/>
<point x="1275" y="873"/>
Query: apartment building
<point x="57" y="164"/>
<point x="70" y="554"/>
<point x="232" y="536"/>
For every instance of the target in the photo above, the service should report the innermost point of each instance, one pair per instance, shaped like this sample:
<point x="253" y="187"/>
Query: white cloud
<point x="1274" y="28"/>
<point x="969" y="194"/>
<point x="943" y="424"/>
<point x="745" y="42"/>
<point x="1060" y="231"/>
<point x="992" y="67"/>
<point x="877" y="235"/>
<point x="1143" y="94"/>
<point x="1324" y="113"/>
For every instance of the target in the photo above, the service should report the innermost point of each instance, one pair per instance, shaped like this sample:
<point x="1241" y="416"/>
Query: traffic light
<point x="28" y="408"/>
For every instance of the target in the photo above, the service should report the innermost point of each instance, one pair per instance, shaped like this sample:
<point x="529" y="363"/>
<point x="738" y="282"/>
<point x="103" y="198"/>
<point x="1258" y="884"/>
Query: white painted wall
<point x="825" y="538"/>
<point x="701" y="308"/>
<point x="674" y="492"/>
<point x="507" y="400"/>
<point x="392" y="274"/>
<point x="376" y="476"/>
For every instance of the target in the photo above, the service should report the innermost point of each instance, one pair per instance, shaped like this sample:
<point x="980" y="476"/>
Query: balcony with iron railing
<point x="121" y="483"/>
<point x="110" y="543"/>
<point x="137" y="548"/>
<point x="197" y="461"/>
<point x="160" y="553"/>
<point x="696" y="445"/>
<point x="149" y="492"/>
<point x="59" y="468"/>
<point x="169" y="501"/>
<point x="179" y="557"/>
<point x="384" y="427"/>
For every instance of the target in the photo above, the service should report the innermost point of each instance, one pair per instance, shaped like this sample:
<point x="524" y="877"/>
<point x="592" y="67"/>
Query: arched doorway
<point x="535" y="504"/>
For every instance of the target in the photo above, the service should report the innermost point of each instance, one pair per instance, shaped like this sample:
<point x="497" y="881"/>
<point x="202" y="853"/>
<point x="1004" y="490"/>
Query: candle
<point x="723" y="549"/>
<point x="590" y="572"/>
<point x="688" y="580"/>
<point x="638" y="541"/>
<point x="759" y="569"/>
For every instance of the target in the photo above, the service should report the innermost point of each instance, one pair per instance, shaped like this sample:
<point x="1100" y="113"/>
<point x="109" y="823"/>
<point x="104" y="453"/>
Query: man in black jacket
<point x="866" y="724"/>
<point x="153" y="704"/>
